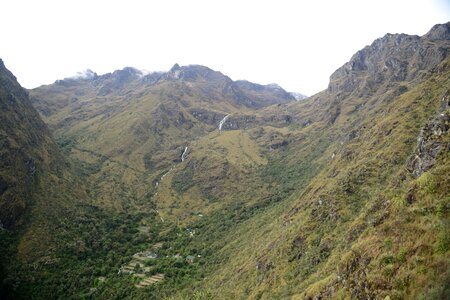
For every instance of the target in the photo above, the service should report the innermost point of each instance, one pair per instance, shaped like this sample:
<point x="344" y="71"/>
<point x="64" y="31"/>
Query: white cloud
<point x="86" y="74"/>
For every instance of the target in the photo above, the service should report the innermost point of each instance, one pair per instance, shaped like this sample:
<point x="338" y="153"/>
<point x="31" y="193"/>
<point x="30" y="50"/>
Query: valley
<point x="186" y="184"/>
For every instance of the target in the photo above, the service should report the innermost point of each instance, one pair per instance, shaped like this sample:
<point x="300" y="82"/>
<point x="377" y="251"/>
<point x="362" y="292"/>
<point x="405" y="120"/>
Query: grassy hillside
<point x="365" y="226"/>
<point x="372" y="223"/>
<point x="127" y="138"/>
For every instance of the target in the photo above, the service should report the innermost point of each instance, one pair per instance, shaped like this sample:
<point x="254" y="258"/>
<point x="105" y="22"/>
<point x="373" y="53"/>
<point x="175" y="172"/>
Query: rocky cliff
<point x="391" y="59"/>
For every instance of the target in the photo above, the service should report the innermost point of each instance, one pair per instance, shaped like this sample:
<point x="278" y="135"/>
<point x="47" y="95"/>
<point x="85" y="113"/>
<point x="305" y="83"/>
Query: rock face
<point x="394" y="58"/>
<point x="429" y="144"/>
<point x="439" y="32"/>
<point x="206" y="116"/>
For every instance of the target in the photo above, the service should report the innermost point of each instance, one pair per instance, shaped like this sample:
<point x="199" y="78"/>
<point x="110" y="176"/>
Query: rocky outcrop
<point x="206" y="116"/>
<point x="429" y="144"/>
<point x="240" y="122"/>
<point x="235" y="121"/>
<point x="439" y="32"/>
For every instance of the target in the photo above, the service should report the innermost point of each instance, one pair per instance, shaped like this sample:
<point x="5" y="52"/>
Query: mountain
<point x="128" y="129"/>
<point x="188" y="185"/>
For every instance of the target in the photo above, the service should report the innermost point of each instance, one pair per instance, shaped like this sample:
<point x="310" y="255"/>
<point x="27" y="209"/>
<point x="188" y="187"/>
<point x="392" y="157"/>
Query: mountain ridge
<point x="418" y="54"/>
<point x="184" y="73"/>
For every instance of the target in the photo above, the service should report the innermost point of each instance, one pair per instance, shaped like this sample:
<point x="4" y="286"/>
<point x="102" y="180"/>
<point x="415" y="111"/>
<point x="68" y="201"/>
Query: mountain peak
<point x="126" y="74"/>
<point x="393" y="58"/>
<point x="175" y="67"/>
<point x="174" y="73"/>
<point x="192" y="72"/>
<point x="439" y="32"/>
<point x="117" y="79"/>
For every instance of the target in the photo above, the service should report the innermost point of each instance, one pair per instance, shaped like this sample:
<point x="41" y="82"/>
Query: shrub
<point x="427" y="183"/>
<point x="388" y="244"/>
<point x="443" y="242"/>
<point x="401" y="257"/>
<point x="387" y="259"/>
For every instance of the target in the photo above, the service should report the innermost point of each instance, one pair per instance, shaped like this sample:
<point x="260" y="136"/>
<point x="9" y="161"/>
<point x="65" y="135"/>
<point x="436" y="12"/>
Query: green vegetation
<point x="183" y="180"/>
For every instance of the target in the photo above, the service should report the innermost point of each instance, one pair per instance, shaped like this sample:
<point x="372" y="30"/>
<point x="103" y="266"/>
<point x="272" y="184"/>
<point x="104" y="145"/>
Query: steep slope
<point x="373" y="222"/>
<point x="31" y="174"/>
<point x="27" y="149"/>
<point x="32" y="170"/>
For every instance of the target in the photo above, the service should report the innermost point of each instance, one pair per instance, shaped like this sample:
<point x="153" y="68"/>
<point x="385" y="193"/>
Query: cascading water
<point x="223" y="121"/>
<point x="183" y="156"/>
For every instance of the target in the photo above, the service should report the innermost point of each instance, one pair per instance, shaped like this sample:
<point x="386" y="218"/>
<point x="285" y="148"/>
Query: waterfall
<point x="164" y="175"/>
<point x="223" y="122"/>
<point x="183" y="156"/>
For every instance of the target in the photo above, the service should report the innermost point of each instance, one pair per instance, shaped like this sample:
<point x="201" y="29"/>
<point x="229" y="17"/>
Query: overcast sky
<point x="297" y="44"/>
